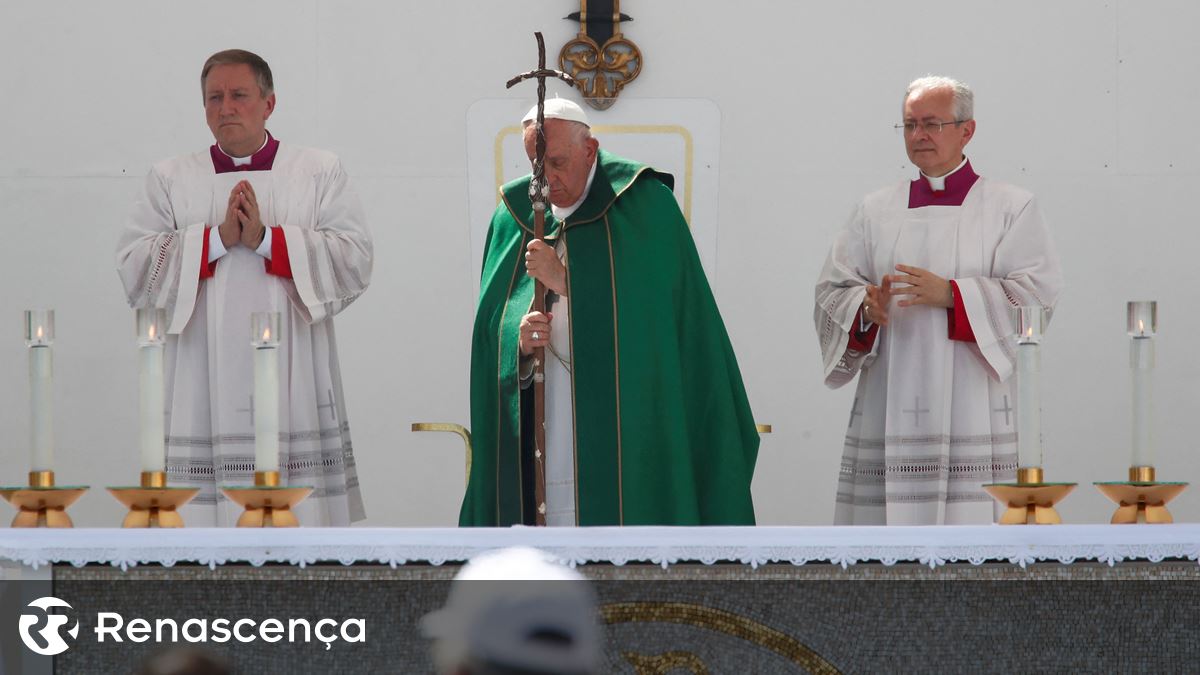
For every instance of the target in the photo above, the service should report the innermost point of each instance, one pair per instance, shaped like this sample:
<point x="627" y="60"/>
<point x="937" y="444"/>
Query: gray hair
<point x="580" y="132"/>
<point x="262" y="72"/>
<point x="964" y="98"/>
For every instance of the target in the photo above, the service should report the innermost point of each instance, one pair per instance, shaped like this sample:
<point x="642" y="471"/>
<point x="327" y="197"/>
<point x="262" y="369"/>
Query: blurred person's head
<point x="184" y="661"/>
<point x="516" y="611"/>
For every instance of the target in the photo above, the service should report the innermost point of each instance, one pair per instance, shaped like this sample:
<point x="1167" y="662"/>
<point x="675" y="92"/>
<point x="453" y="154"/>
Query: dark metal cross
<point x="538" y="190"/>
<point x="1007" y="410"/>
<point x="539" y="194"/>
<point x="917" y="410"/>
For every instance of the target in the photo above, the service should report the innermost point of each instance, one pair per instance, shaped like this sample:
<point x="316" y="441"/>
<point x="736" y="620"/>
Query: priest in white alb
<point x="915" y="298"/>
<point x="250" y="225"/>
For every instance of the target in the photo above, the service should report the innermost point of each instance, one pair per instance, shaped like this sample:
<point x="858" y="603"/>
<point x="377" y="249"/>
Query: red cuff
<point x="207" y="269"/>
<point x="862" y="341"/>
<point x="956" y="319"/>
<point x="279" y="264"/>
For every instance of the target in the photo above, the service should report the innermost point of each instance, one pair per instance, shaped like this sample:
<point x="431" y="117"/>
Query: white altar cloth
<point x="932" y="546"/>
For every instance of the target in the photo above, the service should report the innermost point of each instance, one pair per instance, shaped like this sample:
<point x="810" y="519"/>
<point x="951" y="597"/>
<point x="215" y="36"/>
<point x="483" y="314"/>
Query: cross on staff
<point x="539" y="193"/>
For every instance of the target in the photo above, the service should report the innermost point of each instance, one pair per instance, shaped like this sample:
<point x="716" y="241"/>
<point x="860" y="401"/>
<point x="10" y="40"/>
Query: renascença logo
<point x="51" y="633"/>
<point x="113" y="626"/>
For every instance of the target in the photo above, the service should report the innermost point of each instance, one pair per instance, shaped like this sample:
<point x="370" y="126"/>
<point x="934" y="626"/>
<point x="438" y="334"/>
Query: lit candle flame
<point x="39" y="332"/>
<point x="153" y="332"/>
<point x="266" y="335"/>
<point x="1029" y="332"/>
<point x="1141" y="327"/>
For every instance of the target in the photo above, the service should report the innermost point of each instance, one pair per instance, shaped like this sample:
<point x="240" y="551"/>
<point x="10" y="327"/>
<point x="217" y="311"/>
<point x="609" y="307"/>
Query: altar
<point x="126" y="550"/>
<point x="699" y="600"/>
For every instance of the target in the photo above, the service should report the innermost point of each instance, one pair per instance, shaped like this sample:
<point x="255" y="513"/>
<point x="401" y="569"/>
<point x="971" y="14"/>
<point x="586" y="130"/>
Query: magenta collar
<point x="958" y="184"/>
<point x="262" y="160"/>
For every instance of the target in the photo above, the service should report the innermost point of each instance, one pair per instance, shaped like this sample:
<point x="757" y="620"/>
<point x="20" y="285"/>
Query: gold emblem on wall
<point x="600" y="58"/>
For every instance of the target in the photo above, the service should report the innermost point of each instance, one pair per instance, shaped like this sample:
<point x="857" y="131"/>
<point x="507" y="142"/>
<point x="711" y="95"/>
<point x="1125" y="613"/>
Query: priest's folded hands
<point x="924" y="288"/>
<point x="248" y="215"/>
<point x="230" y="230"/>
<point x="243" y="222"/>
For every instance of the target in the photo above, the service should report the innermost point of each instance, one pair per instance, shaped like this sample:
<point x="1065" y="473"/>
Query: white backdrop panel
<point x="1086" y="102"/>
<point x="1156" y="63"/>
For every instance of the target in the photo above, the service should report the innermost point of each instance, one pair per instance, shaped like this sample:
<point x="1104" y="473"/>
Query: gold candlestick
<point x="1141" y="499"/>
<point x="41" y="503"/>
<point x="153" y="504"/>
<point x="1030" y="500"/>
<point x="267" y="503"/>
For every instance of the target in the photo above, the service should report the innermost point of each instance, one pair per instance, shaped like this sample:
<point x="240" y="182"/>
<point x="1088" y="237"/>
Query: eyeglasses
<point x="931" y="128"/>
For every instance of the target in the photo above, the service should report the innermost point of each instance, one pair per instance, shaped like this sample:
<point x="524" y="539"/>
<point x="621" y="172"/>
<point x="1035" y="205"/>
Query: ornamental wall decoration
<point x="600" y="58"/>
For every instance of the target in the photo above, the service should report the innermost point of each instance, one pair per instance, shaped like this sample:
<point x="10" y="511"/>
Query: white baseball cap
<point x="519" y="608"/>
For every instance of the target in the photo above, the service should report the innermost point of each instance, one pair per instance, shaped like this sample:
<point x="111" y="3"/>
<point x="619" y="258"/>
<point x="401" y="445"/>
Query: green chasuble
<point x="663" y="430"/>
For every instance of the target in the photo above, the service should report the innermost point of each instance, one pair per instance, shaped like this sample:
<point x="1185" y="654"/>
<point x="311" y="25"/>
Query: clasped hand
<point x="921" y="287"/>
<point x="243" y="223"/>
<point x="542" y="263"/>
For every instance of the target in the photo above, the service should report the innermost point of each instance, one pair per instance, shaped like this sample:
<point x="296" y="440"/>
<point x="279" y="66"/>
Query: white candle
<point x="266" y="409"/>
<point x="1030" y="322"/>
<point x="265" y="339"/>
<point x="1141" y="321"/>
<point x="1141" y="363"/>
<point x="150" y="378"/>
<point x="1029" y="405"/>
<point x="39" y="335"/>
<point x="41" y="408"/>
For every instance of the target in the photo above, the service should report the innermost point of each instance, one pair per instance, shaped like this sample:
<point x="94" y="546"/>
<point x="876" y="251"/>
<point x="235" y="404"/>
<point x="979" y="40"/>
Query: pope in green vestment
<point x="663" y="430"/>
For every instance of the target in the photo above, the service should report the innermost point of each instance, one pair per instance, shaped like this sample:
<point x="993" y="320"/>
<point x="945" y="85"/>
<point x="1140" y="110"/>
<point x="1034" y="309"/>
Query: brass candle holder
<point x="1141" y="499"/>
<point x="153" y="504"/>
<point x="267" y="503"/>
<point x="1030" y="500"/>
<point x="42" y="503"/>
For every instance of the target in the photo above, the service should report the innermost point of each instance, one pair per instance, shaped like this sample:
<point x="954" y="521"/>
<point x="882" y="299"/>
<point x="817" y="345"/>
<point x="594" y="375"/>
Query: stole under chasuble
<point x="209" y="365"/>
<point x="663" y="433"/>
<point x="933" y="418"/>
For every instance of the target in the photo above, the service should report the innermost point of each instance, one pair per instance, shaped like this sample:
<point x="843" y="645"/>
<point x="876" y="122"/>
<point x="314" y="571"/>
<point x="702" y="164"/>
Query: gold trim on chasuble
<point x="617" y="364"/>
<point x="683" y="133"/>
<point x="571" y="372"/>
<point x="499" y="398"/>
